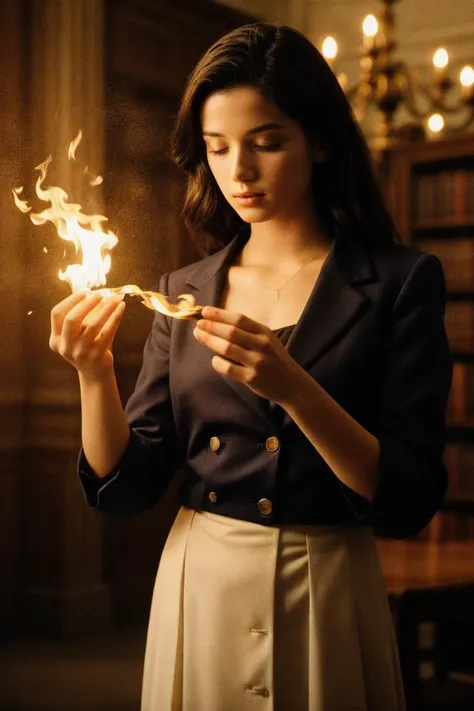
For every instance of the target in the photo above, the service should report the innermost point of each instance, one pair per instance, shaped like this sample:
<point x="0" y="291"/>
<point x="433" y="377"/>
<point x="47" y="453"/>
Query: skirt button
<point x="213" y="497"/>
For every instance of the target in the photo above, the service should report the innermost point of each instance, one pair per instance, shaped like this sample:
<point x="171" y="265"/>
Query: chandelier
<point x="387" y="84"/>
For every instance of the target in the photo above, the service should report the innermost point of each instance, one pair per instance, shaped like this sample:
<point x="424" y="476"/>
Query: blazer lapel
<point x="334" y="304"/>
<point x="208" y="279"/>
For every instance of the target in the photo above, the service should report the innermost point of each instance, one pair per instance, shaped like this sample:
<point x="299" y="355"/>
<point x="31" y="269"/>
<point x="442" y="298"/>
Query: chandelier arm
<point x="464" y="125"/>
<point x="410" y="97"/>
<point x="452" y="109"/>
<point x="435" y="102"/>
<point x="386" y="83"/>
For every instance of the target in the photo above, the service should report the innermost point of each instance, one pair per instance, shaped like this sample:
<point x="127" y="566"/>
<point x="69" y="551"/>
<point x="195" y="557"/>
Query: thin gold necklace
<point x="277" y="291"/>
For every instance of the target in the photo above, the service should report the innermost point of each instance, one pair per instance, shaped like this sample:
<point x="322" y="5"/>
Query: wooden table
<point x="420" y="565"/>
<point x="426" y="582"/>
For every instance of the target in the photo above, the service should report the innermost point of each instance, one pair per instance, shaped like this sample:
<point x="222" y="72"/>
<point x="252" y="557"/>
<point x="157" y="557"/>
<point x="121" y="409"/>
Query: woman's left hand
<point x="249" y="352"/>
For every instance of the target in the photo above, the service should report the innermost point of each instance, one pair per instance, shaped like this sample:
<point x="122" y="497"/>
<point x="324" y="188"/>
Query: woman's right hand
<point x="83" y="327"/>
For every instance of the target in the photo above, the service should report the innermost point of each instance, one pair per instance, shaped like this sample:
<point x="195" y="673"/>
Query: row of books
<point x="457" y="257"/>
<point x="459" y="460"/>
<point x="459" y="322"/>
<point x="450" y="525"/>
<point x="445" y="194"/>
<point x="460" y="407"/>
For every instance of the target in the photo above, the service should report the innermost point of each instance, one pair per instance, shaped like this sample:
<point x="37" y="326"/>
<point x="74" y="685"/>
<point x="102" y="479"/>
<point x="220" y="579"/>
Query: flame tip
<point x="71" y="153"/>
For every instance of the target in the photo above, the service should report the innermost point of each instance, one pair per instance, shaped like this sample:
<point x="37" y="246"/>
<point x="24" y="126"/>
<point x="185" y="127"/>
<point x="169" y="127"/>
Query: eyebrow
<point x="253" y="131"/>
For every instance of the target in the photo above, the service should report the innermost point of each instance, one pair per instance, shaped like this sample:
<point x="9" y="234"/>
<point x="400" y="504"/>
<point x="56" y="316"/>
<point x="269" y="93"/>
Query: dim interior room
<point x="76" y="587"/>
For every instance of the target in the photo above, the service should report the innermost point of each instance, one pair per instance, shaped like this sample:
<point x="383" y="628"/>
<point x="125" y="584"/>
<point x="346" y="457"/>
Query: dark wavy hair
<point x="290" y="72"/>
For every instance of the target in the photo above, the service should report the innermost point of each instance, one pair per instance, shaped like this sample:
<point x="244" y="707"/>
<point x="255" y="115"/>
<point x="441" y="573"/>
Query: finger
<point x="98" y="317"/>
<point x="227" y="367"/>
<point x="72" y="321"/>
<point x="107" y="334"/>
<point x="227" y="349"/>
<point x="213" y="313"/>
<point x="252" y="341"/>
<point x="60" y="310"/>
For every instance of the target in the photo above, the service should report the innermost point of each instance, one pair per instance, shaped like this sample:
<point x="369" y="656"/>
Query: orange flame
<point x="93" y="242"/>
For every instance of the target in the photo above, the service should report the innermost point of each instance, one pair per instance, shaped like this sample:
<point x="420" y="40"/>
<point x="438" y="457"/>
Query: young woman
<point x="306" y="405"/>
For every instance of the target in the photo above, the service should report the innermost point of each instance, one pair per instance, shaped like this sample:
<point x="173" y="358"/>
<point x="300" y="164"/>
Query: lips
<point x="248" y="195"/>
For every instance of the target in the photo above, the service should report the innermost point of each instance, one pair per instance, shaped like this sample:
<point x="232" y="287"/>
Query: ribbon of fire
<point x="92" y="242"/>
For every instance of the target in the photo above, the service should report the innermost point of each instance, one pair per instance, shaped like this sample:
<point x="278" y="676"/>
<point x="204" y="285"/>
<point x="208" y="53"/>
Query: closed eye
<point x="258" y="147"/>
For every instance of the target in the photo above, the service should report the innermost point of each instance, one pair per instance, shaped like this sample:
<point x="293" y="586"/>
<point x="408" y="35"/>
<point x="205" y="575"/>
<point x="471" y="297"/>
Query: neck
<point x="285" y="242"/>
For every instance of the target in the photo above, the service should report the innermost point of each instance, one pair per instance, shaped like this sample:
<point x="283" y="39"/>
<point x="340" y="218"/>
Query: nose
<point x="244" y="168"/>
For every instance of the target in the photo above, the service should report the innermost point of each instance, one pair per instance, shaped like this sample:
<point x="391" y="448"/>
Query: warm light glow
<point x="84" y="231"/>
<point x="466" y="76"/>
<point x="440" y="58"/>
<point x="21" y="204"/>
<point x="370" y="26"/>
<point x="436" y="123"/>
<point x="71" y="153"/>
<point x="329" y="48"/>
<point x="91" y="242"/>
<point x="343" y="80"/>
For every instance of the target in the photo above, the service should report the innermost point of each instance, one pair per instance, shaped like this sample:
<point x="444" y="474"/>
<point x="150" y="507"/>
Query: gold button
<point x="272" y="444"/>
<point x="213" y="497"/>
<point x="265" y="506"/>
<point x="215" y="444"/>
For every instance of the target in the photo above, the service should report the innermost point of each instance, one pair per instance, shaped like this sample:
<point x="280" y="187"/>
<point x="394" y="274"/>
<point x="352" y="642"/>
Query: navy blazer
<point x="371" y="334"/>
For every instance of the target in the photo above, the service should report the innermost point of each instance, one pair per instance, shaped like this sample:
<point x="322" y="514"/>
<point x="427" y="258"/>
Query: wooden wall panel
<point x="13" y="308"/>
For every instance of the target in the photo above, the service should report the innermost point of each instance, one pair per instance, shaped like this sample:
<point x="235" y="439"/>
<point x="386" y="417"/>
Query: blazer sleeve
<point x="417" y="375"/>
<point x="153" y="453"/>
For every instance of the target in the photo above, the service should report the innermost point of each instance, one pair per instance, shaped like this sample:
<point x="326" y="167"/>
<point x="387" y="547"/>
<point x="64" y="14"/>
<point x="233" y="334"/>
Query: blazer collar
<point x="334" y="305"/>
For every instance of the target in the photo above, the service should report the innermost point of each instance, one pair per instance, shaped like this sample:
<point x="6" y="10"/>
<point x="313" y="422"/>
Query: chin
<point x="255" y="215"/>
<point x="255" y="219"/>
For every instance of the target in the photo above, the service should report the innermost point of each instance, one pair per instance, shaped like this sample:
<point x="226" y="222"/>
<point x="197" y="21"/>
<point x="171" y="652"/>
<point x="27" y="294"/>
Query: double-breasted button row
<point x="265" y="505"/>
<point x="272" y="444"/>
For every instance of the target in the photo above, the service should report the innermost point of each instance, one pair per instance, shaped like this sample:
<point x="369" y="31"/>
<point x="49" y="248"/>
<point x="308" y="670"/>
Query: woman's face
<point x="252" y="146"/>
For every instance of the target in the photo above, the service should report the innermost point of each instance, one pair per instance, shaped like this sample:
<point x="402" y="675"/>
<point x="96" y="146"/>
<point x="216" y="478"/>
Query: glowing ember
<point x="185" y="308"/>
<point x="92" y="242"/>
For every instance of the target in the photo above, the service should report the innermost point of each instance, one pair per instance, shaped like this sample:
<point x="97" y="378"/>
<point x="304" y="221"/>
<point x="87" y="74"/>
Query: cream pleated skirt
<point x="247" y="617"/>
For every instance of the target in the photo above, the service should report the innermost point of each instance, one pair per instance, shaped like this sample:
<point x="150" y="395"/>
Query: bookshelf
<point x="429" y="187"/>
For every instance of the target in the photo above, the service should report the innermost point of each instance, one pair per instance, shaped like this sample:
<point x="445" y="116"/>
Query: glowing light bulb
<point x="370" y="26"/>
<point x="466" y="76"/>
<point x="440" y="58"/>
<point x="436" y="123"/>
<point x="329" y="48"/>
